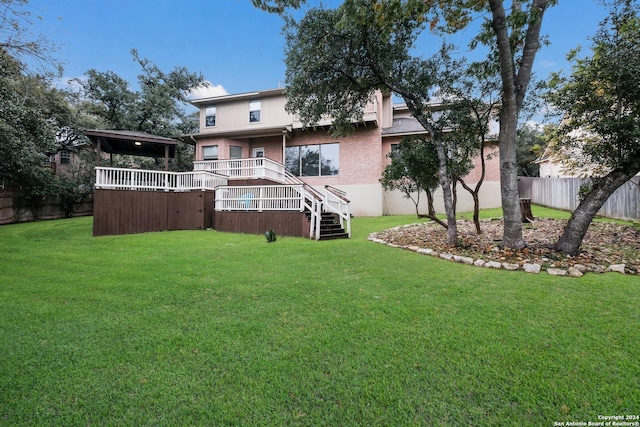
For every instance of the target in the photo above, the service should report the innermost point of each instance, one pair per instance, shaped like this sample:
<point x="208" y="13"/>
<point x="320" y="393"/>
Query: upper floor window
<point x="210" y="116"/>
<point x="65" y="157"/>
<point x="210" y="152"/>
<point x="255" y="111"/>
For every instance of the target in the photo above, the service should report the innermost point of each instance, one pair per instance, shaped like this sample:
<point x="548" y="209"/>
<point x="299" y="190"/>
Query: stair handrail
<point x="339" y="193"/>
<point x="334" y="196"/>
<point x="316" y="209"/>
<point x="314" y="201"/>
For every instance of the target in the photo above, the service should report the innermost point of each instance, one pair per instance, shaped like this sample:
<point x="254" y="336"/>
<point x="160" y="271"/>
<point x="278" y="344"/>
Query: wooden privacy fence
<point x="13" y="210"/>
<point x="562" y="193"/>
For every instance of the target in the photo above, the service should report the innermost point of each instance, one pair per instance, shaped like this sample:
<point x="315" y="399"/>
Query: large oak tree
<point x="601" y="125"/>
<point x="157" y="107"/>
<point x="338" y="59"/>
<point x="513" y="37"/>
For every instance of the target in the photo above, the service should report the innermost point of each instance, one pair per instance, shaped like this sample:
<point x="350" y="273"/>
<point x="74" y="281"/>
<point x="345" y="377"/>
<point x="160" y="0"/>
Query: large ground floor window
<point x="313" y="160"/>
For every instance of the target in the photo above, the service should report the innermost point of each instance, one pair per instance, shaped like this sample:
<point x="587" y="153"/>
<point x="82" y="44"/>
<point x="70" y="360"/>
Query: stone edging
<point x="574" y="271"/>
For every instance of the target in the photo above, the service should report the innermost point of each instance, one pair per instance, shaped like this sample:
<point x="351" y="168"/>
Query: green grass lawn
<point x="209" y="328"/>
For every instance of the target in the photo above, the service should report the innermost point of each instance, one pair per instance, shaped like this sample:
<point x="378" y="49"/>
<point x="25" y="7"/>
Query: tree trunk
<point x="445" y="183"/>
<point x="575" y="230"/>
<point x="432" y="211"/>
<point x="514" y="87"/>
<point x="476" y="202"/>
<point x="416" y="202"/>
<point x="443" y="175"/>
<point x="512" y="232"/>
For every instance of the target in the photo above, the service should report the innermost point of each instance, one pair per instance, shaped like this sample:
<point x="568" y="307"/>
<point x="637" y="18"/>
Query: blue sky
<point x="236" y="47"/>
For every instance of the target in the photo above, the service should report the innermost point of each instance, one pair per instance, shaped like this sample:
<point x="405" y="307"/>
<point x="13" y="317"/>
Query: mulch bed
<point x="604" y="245"/>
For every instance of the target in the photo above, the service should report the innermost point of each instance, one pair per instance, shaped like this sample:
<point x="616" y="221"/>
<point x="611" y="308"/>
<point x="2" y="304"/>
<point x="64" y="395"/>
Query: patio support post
<point x="284" y="145"/>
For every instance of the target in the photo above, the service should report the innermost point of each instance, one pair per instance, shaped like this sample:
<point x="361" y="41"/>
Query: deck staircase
<point x="330" y="227"/>
<point x="331" y="222"/>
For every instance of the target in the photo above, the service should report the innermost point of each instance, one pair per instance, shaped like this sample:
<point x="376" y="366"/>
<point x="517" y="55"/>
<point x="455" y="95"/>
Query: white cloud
<point x="547" y="64"/>
<point x="69" y="83"/>
<point x="534" y="124"/>
<point x="207" y="91"/>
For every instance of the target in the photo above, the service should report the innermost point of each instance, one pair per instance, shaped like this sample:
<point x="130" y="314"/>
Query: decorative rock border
<point x="533" y="268"/>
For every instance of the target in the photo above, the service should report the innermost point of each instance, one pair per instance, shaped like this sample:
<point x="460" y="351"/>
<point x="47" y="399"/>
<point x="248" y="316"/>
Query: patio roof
<point x="132" y="143"/>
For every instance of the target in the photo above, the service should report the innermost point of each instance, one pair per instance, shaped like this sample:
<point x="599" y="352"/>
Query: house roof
<point x="132" y="143"/>
<point x="238" y="97"/>
<point x="404" y="126"/>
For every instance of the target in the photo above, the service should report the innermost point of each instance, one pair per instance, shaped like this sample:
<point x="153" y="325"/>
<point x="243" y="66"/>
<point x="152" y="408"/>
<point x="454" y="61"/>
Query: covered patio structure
<point x="131" y="143"/>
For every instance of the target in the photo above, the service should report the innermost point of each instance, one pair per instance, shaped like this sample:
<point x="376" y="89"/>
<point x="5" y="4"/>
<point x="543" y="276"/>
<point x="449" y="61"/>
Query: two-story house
<point x="255" y="124"/>
<point x="257" y="168"/>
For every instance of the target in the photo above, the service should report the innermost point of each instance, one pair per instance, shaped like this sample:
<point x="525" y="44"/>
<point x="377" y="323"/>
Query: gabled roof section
<point x="132" y="143"/>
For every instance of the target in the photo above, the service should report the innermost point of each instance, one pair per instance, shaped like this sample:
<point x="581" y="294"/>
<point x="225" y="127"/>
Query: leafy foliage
<point x="531" y="143"/>
<point x="338" y="59"/>
<point x="471" y="103"/>
<point x="158" y="107"/>
<point x="16" y="38"/>
<point x="601" y="99"/>
<point x="277" y="6"/>
<point x="601" y="106"/>
<point x="413" y="169"/>
<point x="27" y="131"/>
<point x="374" y="35"/>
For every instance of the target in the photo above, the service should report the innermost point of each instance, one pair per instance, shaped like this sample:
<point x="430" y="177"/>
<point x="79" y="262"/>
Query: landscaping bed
<point x="607" y="246"/>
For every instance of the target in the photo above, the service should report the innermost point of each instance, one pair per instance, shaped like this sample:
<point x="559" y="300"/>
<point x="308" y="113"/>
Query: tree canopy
<point x="37" y="119"/>
<point x="338" y="59"/>
<point x="600" y="102"/>
<point x="413" y="169"/>
<point x="30" y="113"/>
<point x="157" y="107"/>
<point x="511" y="34"/>
<point x="17" y="39"/>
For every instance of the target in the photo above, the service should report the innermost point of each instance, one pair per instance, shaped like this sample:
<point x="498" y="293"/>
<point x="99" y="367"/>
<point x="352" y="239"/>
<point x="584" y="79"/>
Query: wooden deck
<point x="127" y="212"/>
<point x="251" y="196"/>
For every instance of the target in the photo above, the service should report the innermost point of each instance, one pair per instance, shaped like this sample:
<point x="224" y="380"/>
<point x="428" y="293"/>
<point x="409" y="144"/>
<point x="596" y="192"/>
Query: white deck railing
<point x="259" y="167"/>
<point x="151" y="180"/>
<point x="260" y="198"/>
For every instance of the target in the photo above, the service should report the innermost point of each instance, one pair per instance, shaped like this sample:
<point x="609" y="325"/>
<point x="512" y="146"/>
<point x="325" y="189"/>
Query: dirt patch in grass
<point x="605" y="244"/>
